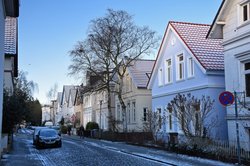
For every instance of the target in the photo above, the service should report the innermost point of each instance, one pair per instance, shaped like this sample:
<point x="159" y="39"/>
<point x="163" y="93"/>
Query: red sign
<point x="226" y="98"/>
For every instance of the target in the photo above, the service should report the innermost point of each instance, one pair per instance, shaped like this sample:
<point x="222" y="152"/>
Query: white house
<point x="11" y="56"/>
<point x="46" y="116"/>
<point x="58" y="112"/>
<point x="136" y="96"/>
<point x="232" y="24"/>
<point x="7" y="8"/>
<point x="186" y="63"/>
<point x="67" y="107"/>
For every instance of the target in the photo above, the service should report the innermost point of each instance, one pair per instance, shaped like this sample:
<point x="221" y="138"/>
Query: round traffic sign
<point x="226" y="98"/>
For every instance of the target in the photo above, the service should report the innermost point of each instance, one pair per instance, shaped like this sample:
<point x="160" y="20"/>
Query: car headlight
<point x="58" y="138"/>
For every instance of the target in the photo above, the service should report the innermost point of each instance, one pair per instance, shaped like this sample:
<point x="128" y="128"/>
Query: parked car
<point x="48" y="137"/>
<point x="36" y="130"/>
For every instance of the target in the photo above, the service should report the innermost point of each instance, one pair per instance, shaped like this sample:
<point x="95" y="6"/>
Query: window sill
<point x="191" y="77"/>
<point x="182" y="80"/>
<point x="168" y="83"/>
<point x="243" y="24"/>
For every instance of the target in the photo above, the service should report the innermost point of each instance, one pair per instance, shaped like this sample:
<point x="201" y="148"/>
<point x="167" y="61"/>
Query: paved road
<point x="76" y="152"/>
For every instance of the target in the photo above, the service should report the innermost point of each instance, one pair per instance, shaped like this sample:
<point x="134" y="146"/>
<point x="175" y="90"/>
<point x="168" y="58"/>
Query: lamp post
<point x="53" y="112"/>
<point x="237" y="127"/>
<point x="100" y="118"/>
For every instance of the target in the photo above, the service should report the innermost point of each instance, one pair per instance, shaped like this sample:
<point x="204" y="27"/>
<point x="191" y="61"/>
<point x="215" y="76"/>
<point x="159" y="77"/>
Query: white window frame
<point x="134" y="111"/>
<point x="128" y="112"/>
<point x="241" y="11"/>
<point x="160" y="77"/>
<point x="190" y="67"/>
<point x="178" y="63"/>
<point x="246" y="72"/>
<point x="169" y="70"/>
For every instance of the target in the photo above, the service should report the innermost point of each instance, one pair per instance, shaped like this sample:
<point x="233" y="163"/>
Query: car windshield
<point x="48" y="133"/>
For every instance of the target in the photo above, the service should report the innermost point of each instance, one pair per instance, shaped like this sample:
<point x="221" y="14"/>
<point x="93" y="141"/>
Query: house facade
<point x="95" y="104"/>
<point x="232" y="24"/>
<point x="58" y="112"/>
<point x="136" y="96"/>
<point x="7" y="8"/>
<point x="187" y="62"/>
<point x="11" y="56"/>
<point x="67" y="107"/>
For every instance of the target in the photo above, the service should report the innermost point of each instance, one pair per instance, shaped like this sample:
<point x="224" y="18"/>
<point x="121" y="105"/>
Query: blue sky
<point x="48" y="30"/>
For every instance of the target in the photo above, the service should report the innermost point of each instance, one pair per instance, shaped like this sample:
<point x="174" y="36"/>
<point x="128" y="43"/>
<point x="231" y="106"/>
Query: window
<point x="159" y="118"/>
<point x="182" y="117"/>
<point x="168" y="71"/>
<point x="170" y="121"/>
<point x="118" y="112"/>
<point x="197" y="119"/>
<point x="160" y="77"/>
<point x="134" y="111"/>
<point x="190" y="67"/>
<point x="245" y="11"/>
<point x="180" y="67"/>
<point x="128" y="112"/>
<point x="145" y="113"/>
<point x="247" y="78"/>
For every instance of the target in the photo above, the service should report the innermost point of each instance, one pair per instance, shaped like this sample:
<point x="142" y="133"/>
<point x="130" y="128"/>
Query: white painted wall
<point x="237" y="51"/>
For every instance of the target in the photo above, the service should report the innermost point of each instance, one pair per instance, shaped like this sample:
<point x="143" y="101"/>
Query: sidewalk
<point x="19" y="155"/>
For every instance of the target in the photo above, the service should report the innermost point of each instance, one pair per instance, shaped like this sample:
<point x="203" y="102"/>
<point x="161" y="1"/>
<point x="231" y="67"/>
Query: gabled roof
<point x="66" y="92"/>
<point x="215" y="30"/>
<point x="208" y="52"/>
<point x="59" y="97"/>
<point x="72" y="95"/>
<point x="10" y="41"/>
<point x="140" y="71"/>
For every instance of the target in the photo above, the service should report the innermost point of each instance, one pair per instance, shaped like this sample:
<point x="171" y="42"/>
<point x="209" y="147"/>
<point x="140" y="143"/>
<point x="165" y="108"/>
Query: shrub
<point x="92" y="125"/>
<point x="64" y="129"/>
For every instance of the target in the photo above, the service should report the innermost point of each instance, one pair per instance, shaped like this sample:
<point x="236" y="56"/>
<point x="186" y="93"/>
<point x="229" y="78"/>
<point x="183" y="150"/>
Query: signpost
<point x="227" y="98"/>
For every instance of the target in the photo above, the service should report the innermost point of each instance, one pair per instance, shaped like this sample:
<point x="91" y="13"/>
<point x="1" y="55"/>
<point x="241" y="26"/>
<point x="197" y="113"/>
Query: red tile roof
<point x="140" y="72"/>
<point x="209" y="52"/>
<point x="10" y="41"/>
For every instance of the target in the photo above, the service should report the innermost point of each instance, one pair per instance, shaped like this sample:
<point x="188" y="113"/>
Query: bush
<point x="64" y="129"/>
<point x="92" y="125"/>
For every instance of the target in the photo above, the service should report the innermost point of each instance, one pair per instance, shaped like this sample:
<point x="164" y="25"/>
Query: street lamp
<point x="53" y="115"/>
<point x="100" y="119"/>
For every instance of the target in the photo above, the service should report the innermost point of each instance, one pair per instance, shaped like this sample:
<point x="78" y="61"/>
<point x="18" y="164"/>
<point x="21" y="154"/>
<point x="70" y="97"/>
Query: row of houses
<point x="197" y="59"/>
<point x="89" y="103"/>
<point x="9" y="12"/>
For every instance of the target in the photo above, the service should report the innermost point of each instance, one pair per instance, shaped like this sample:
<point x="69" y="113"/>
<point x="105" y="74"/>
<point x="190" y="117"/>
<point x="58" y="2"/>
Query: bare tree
<point x="194" y="115"/>
<point x="52" y="93"/>
<point x="110" y="39"/>
<point x="152" y="123"/>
